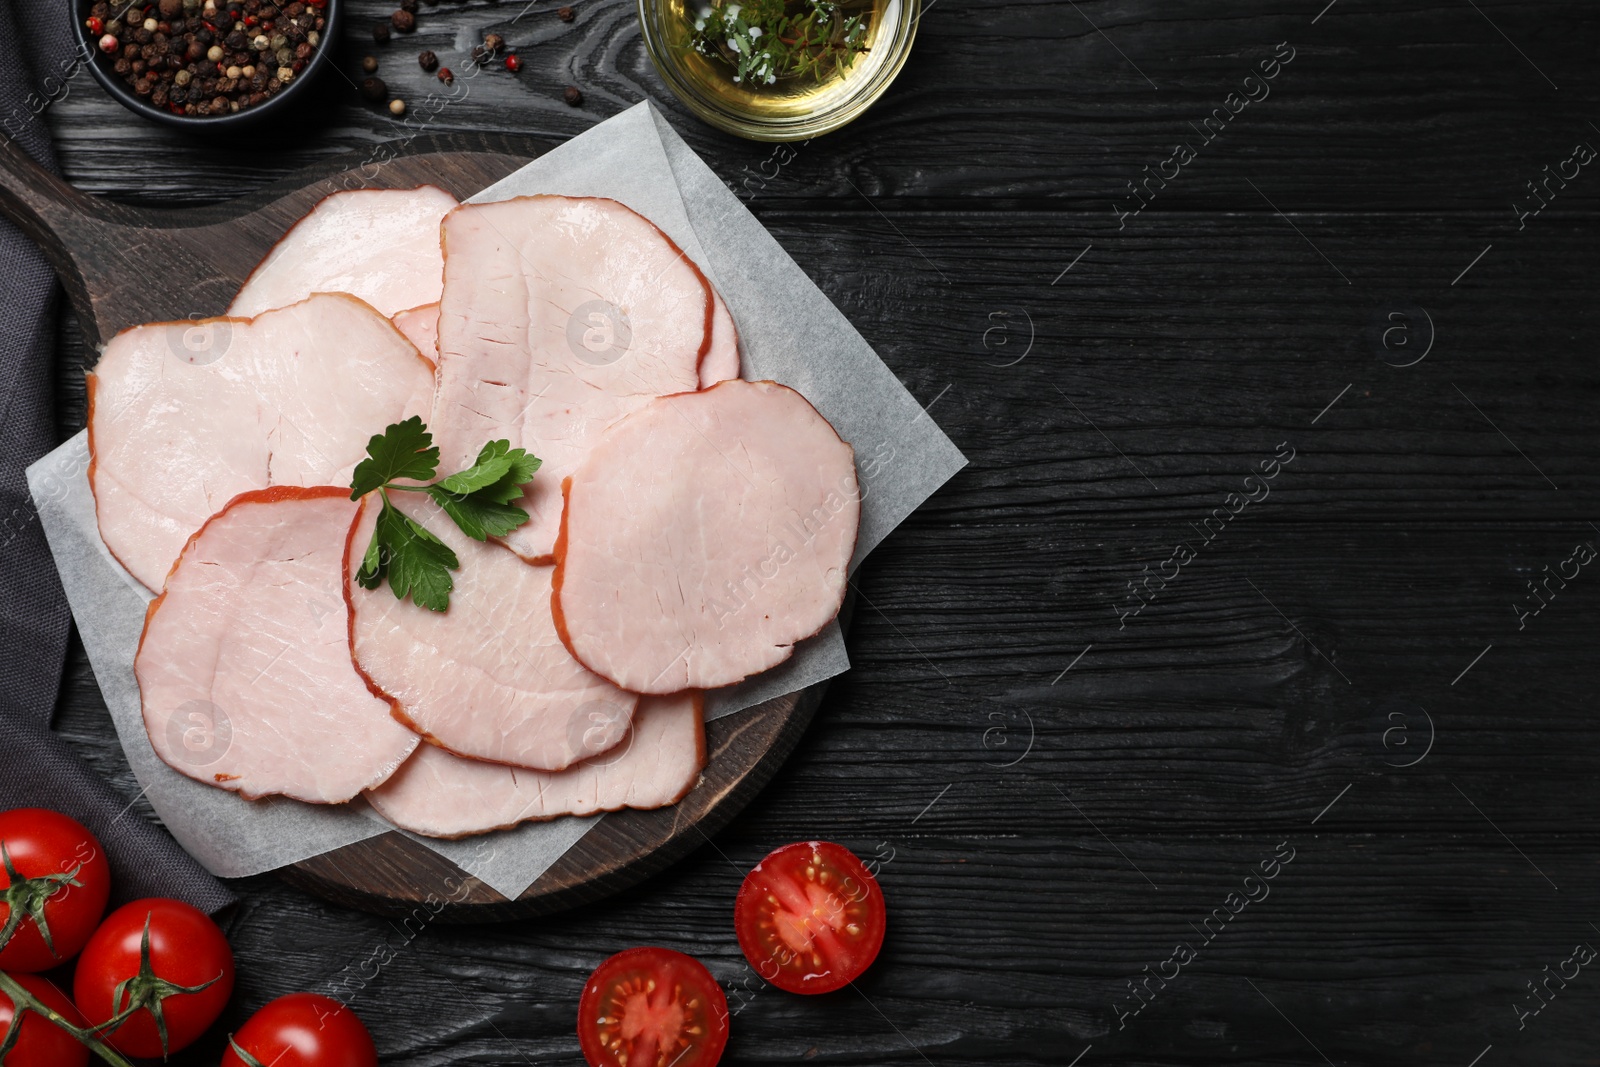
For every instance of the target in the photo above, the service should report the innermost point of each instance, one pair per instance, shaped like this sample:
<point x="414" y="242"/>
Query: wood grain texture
<point x="1216" y="724"/>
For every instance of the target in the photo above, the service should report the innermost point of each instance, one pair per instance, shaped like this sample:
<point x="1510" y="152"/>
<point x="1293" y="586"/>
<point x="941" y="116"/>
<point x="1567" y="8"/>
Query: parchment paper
<point x="790" y="332"/>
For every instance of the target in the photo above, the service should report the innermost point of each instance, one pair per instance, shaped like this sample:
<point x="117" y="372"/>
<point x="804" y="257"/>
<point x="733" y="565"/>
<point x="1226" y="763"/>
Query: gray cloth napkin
<point x="37" y="768"/>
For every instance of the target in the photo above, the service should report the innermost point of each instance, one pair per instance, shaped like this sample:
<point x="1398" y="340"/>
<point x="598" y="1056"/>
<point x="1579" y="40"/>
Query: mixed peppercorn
<point x="209" y="57"/>
<point x="216" y="57"/>
<point x="494" y="47"/>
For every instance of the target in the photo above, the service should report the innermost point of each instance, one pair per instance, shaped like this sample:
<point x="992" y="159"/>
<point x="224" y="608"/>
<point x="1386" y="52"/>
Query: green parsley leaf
<point x="373" y="564"/>
<point x="498" y="465"/>
<point x="403" y="450"/>
<point x="478" y="514"/>
<point x="419" y="564"/>
<point x="479" y="500"/>
<point x="507" y="490"/>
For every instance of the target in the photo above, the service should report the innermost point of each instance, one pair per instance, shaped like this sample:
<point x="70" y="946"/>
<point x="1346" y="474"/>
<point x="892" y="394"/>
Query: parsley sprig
<point x="479" y="500"/>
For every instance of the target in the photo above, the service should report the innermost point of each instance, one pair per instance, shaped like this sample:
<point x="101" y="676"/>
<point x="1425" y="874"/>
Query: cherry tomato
<point x="56" y="877"/>
<point x="182" y="971"/>
<point x="302" y="1030"/>
<point x="41" y="1043"/>
<point x="652" y="1007"/>
<point x="810" y="918"/>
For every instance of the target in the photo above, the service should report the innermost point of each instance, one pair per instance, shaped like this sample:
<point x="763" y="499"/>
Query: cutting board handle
<point x="67" y="225"/>
<point x="31" y="195"/>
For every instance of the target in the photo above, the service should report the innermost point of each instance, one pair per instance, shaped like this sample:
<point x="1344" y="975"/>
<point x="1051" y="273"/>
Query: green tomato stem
<point x="22" y="1000"/>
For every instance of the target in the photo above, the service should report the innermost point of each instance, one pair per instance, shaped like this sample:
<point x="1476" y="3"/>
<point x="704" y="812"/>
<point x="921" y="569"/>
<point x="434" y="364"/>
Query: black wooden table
<point x="1107" y="683"/>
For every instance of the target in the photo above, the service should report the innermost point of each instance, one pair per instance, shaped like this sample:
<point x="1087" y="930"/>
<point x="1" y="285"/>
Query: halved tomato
<point x="810" y="918"/>
<point x="652" y="1007"/>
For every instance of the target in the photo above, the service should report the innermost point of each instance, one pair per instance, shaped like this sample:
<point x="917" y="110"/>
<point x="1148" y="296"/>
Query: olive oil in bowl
<point x="778" y="70"/>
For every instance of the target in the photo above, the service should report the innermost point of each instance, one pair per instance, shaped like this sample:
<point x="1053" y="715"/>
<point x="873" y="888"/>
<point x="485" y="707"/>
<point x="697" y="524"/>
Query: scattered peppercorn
<point x="369" y="63"/>
<point x="428" y="61"/>
<point x="480" y="55"/>
<point x="566" y="14"/>
<point x="397" y="106"/>
<point x="513" y="64"/>
<point x="572" y="96"/>
<point x="403" y="21"/>
<point x="380" y="32"/>
<point x="494" y="43"/>
<point x="446" y="77"/>
<point x="374" y="89"/>
<point x="209" y="57"/>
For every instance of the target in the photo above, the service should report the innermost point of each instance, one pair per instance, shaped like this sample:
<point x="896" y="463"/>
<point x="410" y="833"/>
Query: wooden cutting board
<point x="123" y="266"/>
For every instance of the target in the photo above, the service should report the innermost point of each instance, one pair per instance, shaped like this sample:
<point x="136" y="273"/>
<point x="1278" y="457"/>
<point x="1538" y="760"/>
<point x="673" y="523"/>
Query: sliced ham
<point x="421" y="327"/>
<point x="441" y="795"/>
<point x="488" y="678"/>
<point x="381" y="245"/>
<point x="704" y="536"/>
<point x="721" y="361"/>
<point x="560" y="316"/>
<point x="244" y="665"/>
<point x="184" y="416"/>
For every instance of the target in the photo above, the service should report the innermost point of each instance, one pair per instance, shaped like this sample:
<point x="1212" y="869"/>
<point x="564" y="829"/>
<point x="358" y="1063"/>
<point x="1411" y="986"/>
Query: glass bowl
<point x="794" y="109"/>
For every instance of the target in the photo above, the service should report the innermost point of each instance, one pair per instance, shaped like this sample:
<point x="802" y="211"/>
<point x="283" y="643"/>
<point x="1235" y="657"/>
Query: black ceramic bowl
<point x="268" y="111"/>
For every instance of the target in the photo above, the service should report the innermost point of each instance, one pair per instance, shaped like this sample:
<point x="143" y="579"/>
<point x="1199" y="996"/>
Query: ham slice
<point x="381" y="245"/>
<point x="488" y="678"/>
<point x="704" y="536"/>
<point x="560" y="315"/>
<point x="421" y="327"/>
<point x="184" y="416"/>
<point x="721" y="361"/>
<point x="441" y="795"/>
<point x="244" y="665"/>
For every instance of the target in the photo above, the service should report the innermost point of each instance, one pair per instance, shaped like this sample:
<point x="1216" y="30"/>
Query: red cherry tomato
<point x="810" y="917"/>
<point x="41" y="1043"/>
<point x="652" y="1007"/>
<point x="186" y="951"/>
<point x="302" y="1030"/>
<point x="48" y="852"/>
